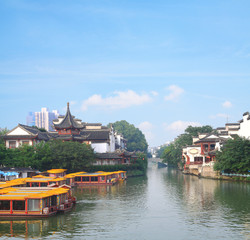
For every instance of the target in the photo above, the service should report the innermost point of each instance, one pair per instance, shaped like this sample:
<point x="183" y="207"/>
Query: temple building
<point x="68" y="128"/>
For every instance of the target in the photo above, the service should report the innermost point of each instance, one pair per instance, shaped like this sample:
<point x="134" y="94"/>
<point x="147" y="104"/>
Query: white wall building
<point x="244" y="128"/>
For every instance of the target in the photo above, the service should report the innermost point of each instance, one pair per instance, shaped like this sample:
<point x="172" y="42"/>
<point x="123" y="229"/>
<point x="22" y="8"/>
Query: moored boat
<point x="34" y="202"/>
<point x="97" y="178"/>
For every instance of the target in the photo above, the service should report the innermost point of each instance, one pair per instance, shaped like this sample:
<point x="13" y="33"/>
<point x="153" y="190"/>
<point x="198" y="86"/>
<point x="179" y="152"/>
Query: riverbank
<point x="209" y="173"/>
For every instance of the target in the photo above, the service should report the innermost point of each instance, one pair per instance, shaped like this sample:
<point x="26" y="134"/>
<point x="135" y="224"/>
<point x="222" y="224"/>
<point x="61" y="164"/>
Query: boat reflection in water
<point x="31" y="228"/>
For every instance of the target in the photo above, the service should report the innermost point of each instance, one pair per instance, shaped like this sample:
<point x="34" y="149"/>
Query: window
<point x="198" y="159"/>
<point x="12" y="144"/>
<point x="206" y="147"/>
<point x="53" y="200"/>
<point x="4" y="205"/>
<point x="18" y="205"/>
<point x="212" y="146"/>
<point x="94" y="179"/>
<point x="85" y="179"/>
<point x="46" y="202"/>
<point x="33" y="205"/>
<point x="78" y="179"/>
<point x="43" y="184"/>
<point x="35" y="184"/>
<point x="25" y="142"/>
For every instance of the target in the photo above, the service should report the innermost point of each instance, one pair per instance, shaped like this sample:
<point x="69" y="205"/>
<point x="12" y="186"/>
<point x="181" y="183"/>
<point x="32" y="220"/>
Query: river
<point x="165" y="204"/>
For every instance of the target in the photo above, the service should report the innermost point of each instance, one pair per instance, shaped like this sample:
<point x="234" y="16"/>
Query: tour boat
<point x="98" y="178"/>
<point x="120" y="175"/>
<point x="34" y="202"/>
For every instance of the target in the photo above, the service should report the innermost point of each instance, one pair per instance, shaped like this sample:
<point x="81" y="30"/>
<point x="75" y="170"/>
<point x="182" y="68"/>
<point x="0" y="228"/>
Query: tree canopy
<point x="73" y="156"/>
<point x="234" y="156"/>
<point x="136" y="140"/>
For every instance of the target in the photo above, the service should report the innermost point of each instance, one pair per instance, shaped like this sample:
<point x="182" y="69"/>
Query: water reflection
<point x="164" y="205"/>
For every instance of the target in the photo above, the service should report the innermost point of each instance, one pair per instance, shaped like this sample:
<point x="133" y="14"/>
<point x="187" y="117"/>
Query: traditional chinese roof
<point x="68" y="122"/>
<point x="96" y="134"/>
<point x="31" y="131"/>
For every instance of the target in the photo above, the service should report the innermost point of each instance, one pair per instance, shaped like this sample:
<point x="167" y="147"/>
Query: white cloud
<point x="180" y="126"/>
<point x="119" y="100"/>
<point x="219" y="115"/>
<point x="175" y="92"/>
<point x="154" y="93"/>
<point x="227" y="104"/>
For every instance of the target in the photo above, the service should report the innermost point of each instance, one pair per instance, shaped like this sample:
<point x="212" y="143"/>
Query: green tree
<point x="194" y="131"/>
<point x="136" y="140"/>
<point x="234" y="157"/>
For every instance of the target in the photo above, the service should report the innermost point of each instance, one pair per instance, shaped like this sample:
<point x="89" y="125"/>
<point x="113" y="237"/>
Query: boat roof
<point x="30" y="193"/>
<point x="57" y="170"/>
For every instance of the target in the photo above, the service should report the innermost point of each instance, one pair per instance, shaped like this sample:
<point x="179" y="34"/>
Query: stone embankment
<point x="209" y="172"/>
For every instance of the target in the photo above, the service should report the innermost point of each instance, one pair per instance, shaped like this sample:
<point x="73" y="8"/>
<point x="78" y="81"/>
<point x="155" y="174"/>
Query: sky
<point x="161" y="65"/>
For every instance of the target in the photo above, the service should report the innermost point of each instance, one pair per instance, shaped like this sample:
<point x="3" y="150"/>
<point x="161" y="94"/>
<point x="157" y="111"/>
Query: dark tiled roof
<point x="246" y="113"/>
<point x="221" y="128"/>
<point x="32" y="131"/>
<point x="68" y="121"/>
<point x="232" y="124"/>
<point x="96" y="134"/>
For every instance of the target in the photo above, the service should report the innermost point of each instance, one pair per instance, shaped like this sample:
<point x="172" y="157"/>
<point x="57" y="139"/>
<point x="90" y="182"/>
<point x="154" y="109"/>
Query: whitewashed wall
<point x="244" y="130"/>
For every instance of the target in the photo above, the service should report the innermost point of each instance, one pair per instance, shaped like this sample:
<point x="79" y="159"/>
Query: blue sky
<point x="160" y="65"/>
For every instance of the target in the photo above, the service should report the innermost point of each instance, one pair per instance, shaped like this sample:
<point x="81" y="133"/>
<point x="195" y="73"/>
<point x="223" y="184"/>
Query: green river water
<point x="163" y="205"/>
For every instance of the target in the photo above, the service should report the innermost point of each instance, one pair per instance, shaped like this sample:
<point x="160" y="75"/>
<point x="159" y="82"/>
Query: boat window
<point x="43" y="184"/>
<point x="33" y="204"/>
<point x="46" y="202"/>
<point x="85" y="179"/>
<point x="35" y="184"/>
<point x="94" y="179"/>
<point x="53" y="200"/>
<point x="102" y="178"/>
<point x="4" y="205"/>
<point x="78" y="179"/>
<point x="27" y="184"/>
<point x="18" y="205"/>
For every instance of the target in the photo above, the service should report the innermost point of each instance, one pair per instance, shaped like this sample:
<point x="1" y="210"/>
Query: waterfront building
<point x="101" y="138"/>
<point x="23" y="134"/>
<point x="67" y="128"/>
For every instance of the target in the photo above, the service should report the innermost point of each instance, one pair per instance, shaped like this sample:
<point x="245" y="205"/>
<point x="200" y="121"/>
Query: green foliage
<point x="234" y="156"/>
<point x="3" y="131"/>
<point x="194" y="131"/>
<point x="172" y="154"/>
<point x="73" y="156"/>
<point x="136" y="140"/>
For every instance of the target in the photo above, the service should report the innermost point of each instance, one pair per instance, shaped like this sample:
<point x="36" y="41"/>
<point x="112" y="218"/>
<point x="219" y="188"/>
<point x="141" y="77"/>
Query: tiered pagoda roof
<point x="68" y="122"/>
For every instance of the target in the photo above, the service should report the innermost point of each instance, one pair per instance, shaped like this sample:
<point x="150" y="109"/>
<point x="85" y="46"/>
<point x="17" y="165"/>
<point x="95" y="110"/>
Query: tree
<point x="194" y="131"/>
<point x="136" y="140"/>
<point x="3" y="131"/>
<point x="234" y="157"/>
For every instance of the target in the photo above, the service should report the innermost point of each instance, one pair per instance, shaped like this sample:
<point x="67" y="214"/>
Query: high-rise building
<point x="43" y="119"/>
